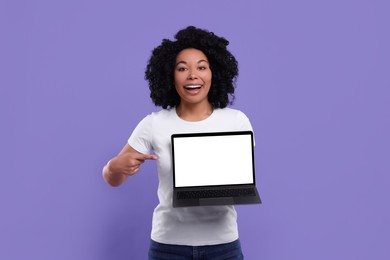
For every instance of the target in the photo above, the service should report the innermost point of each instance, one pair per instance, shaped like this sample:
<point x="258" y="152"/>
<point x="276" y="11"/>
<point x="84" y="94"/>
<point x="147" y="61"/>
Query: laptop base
<point x="219" y="201"/>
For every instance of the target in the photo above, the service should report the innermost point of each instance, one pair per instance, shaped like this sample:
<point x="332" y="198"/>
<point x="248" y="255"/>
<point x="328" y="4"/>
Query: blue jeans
<point x="232" y="251"/>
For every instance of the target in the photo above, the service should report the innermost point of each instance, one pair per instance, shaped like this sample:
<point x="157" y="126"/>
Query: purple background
<point x="314" y="81"/>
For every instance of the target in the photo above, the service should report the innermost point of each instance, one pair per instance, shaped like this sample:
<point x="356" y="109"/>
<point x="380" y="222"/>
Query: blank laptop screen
<point x="213" y="160"/>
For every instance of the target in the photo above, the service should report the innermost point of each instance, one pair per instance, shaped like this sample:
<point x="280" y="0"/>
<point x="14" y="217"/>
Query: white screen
<point x="213" y="160"/>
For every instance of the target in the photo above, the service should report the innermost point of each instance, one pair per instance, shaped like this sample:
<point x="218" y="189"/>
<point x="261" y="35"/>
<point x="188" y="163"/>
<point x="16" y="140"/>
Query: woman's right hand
<point x="129" y="163"/>
<point x="125" y="164"/>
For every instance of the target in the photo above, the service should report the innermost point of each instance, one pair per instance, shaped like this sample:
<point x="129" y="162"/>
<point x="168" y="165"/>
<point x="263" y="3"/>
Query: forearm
<point x="112" y="178"/>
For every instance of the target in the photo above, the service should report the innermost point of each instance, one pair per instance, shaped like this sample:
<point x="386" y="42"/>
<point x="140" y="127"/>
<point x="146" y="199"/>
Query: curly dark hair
<point x="160" y="69"/>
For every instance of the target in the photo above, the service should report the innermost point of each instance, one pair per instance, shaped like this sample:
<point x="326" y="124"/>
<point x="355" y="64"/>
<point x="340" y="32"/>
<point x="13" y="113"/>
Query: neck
<point x="193" y="113"/>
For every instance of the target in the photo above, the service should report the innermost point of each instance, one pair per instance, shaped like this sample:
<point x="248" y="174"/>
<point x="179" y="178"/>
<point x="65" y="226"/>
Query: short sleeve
<point x="244" y="124"/>
<point x="141" y="139"/>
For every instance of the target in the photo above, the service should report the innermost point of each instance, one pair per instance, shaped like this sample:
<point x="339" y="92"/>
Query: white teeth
<point x="193" y="86"/>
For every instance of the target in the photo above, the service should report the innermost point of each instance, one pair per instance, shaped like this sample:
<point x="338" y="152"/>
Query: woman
<point x="192" y="79"/>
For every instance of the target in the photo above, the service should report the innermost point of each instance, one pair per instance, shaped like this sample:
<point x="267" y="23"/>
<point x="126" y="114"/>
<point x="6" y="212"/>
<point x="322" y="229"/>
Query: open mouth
<point x="192" y="87"/>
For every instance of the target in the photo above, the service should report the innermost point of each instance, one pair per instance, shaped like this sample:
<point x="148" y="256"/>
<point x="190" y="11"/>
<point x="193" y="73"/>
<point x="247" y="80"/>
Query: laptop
<point x="216" y="168"/>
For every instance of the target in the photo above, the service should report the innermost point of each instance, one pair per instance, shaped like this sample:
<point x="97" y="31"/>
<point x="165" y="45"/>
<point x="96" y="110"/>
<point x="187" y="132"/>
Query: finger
<point x="135" y="170"/>
<point x="142" y="157"/>
<point x="132" y="170"/>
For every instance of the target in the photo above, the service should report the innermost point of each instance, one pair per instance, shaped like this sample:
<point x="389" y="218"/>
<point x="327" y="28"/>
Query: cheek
<point x="178" y="78"/>
<point x="209" y="75"/>
<point x="177" y="89"/>
<point x="209" y="78"/>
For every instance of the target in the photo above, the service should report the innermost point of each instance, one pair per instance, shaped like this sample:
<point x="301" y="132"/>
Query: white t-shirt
<point x="194" y="226"/>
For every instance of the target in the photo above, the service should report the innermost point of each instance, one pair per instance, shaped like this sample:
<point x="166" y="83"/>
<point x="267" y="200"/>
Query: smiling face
<point x="192" y="77"/>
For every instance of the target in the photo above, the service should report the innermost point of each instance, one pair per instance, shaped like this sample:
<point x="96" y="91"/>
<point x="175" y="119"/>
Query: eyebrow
<point x="184" y="62"/>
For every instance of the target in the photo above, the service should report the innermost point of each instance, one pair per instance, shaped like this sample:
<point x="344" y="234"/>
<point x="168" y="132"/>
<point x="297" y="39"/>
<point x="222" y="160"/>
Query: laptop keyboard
<point x="199" y="194"/>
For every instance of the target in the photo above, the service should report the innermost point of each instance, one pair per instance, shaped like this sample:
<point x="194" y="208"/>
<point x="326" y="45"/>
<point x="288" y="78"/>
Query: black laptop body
<point x="214" y="168"/>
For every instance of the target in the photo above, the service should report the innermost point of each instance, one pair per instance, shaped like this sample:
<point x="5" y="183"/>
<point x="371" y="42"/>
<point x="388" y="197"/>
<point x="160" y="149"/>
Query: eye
<point x="181" y="69"/>
<point x="202" y="68"/>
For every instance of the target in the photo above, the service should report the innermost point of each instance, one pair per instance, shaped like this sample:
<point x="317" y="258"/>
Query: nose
<point x="192" y="75"/>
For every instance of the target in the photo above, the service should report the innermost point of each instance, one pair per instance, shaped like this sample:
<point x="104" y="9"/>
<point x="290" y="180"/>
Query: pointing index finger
<point x="151" y="157"/>
<point x="142" y="156"/>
